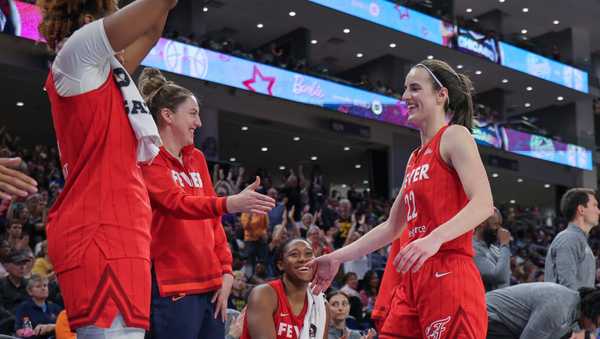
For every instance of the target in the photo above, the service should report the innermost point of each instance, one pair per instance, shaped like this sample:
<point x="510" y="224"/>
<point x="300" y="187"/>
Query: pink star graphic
<point x="256" y="72"/>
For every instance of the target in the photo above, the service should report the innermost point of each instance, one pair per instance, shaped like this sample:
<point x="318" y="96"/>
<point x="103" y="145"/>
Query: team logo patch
<point x="436" y="328"/>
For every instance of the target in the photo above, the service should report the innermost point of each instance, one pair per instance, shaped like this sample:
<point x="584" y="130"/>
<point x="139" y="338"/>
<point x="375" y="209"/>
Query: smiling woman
<point x="286" y="308"/>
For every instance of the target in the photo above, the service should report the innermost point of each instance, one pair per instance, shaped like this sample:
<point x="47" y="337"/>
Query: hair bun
<point x="150" y="81"/>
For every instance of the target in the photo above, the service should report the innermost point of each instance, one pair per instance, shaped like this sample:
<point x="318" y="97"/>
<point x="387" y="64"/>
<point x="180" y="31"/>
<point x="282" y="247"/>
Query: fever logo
<point x="435" y="330"/>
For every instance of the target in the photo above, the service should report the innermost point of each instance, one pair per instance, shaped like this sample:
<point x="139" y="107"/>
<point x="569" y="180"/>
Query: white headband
<point x="434" y="78"/>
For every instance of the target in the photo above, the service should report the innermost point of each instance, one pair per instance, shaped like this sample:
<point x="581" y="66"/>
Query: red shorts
<point x="445" y="299"/>
<point x="109" y="276"/>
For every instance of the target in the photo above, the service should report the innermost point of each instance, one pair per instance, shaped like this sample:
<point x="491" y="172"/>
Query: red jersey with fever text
<point x="432" y="195"/>
<point x="287" y="325"/>
<point x="99" y="228"/>
<point x="189" y="248"/>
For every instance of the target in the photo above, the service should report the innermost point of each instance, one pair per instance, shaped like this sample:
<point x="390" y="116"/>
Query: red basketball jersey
<point x="287" y="325"/>
<point x="432" y="195"/>
<point x="104" y="203"/>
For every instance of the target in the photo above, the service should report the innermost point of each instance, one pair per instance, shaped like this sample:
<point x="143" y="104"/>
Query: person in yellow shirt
<point x="255" y="238"/>
<point x="43" y="266"/>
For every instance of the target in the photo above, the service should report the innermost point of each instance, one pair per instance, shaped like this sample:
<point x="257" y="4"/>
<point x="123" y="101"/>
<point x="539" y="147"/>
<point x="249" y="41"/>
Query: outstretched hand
<point x="12" y="182"/>
<point x="250" y="201"/>
<point x="325" y="268"/>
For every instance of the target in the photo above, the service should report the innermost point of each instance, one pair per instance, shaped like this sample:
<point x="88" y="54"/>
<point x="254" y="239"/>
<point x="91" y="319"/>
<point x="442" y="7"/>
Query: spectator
<point x="13" y="289"/>
<point x="276" y="214"/>
<point x="350" y="285"/>
<point x="316" y="238"/>
<point x="43" y="266"/>
<point x="493" y="261"/>
<point x="344" y="221"/>
<point x="260" y="274"/>
<point x="255" y="237"/>
<point x="36" y="313"/>
<point x="570" y="260"/>
<point x="4" y="252"/>
<point x="368" y="292"/>
<point x="239" y="291"/>
<point x="339" y="311"/>
<point x="16" y="239"/>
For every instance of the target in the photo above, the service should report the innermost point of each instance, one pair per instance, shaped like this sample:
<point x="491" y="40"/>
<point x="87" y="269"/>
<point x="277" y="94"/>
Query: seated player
<point x="285" y="308"/>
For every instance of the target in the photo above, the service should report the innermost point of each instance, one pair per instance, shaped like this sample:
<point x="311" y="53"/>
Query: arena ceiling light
<point x="529" y="88"/>
<point x="429" y="57"/>
<point x="495" y="175"/>
<point x="205" y="9"/>
<point x="314" y="42"/>
<point x="232" y="159"/>
<point x="314" y="158"/>
<point x="292" y="13"/>
<point x="559" y="98"/>
<point x="359" y="55"/>
<point x="525" y="9"/>
<point x="547" y="186"/>
<point x="244" y="128"/>
<point x="469" y="10"/>
<point x="365" y="182"/>
<point x="344" y="185"/>
<point x="460" y="66"/>
<point x="259" y="25"/>
<point x="392" y="45"/>
<point x="501" y="1"/>
<point x="296" y="138"/>
<point x="358" y="166"/>
<point x="505" y="81"/>
<point x="513" y="201"/>
<point x="519" y="180"/>
<point x="346" y="30"/>
<point x="523" y="31"/>
<point x="264" y="149"/>
<point x="478" y="72"/>
<point x="282" y="168"/>
<point x="20" y="104"/>
<point x="527" y="105"/>
<point x="556" y="22"/>
<point x="346" y="148"/>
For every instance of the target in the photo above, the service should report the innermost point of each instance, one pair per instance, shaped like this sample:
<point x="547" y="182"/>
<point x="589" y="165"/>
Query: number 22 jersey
<point x="432" y="195"/>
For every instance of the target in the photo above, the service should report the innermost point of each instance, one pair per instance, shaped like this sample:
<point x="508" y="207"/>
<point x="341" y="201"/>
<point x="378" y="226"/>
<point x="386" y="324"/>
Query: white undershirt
<point x="83" y="63"/>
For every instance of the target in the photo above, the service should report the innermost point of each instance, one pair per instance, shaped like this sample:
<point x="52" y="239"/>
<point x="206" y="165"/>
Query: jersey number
<point x="411" y="207"/>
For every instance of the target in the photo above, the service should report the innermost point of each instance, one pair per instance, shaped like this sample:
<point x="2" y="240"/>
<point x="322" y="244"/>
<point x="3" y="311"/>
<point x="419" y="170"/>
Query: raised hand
<point x="250" y="201"/>
<point x="13" y="182"/>
<point x="325" y="268"/>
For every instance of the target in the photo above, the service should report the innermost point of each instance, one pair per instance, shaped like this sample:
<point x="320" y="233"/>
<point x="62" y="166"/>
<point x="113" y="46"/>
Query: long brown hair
<point x="61" y="18"/>
<point x="460" y="103"/>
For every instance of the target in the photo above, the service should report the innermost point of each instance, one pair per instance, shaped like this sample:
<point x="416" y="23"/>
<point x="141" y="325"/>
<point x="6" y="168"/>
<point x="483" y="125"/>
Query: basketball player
<point x="191" y="259"/>
<point x="99" y="228"/>
<point x="12" y="182"/>
<point x="285" y="308"/>
<point x="541" y="311"/>
<point x="445" y="195"/>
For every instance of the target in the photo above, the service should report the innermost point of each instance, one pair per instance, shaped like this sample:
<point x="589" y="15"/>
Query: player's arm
<point x="262" y="303"/>
<point x="165" y="194"/>
<point x="137" y="27"/>
<point x="459" y="146"/>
